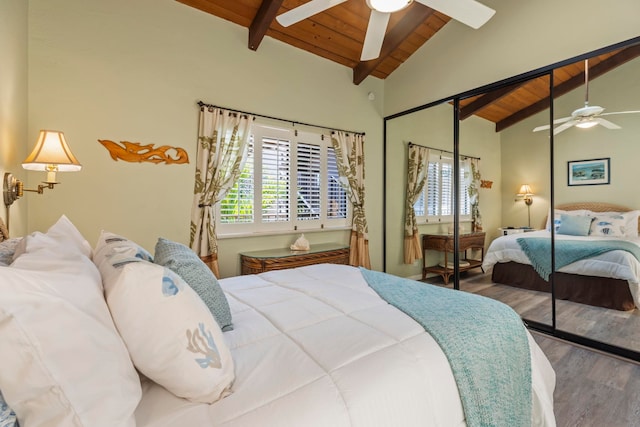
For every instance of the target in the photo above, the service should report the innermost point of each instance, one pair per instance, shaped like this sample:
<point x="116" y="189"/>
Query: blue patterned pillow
<point x="7" y="416"/>
<point x="186" y="263"/>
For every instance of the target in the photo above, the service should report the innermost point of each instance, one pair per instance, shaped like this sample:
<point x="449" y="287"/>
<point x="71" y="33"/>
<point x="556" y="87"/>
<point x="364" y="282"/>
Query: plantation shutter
<point x="308" y="181"/>
<point x="276" y="180"/>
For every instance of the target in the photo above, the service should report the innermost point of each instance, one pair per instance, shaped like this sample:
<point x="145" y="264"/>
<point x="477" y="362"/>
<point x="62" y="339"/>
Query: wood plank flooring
<point x="592" y="389"/>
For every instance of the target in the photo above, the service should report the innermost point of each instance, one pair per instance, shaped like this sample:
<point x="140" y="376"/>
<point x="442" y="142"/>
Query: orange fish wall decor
<point x="136" y="152"/>
<point x="485" y="184"/>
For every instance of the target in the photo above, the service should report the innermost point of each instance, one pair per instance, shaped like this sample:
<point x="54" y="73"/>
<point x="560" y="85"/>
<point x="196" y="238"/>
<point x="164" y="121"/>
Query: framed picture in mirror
<point x="588" y="172"/>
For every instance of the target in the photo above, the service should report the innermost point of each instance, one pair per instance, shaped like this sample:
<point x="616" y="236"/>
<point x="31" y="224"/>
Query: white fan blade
<point x="564" y="126"/>
<point x="469" y="12"/>
<point x="555" y="122"/>
<point x="305" y="11"/>
<point x="375" y="35"/>
<point x="620" y="112"/>
<point x="606" y="123"/>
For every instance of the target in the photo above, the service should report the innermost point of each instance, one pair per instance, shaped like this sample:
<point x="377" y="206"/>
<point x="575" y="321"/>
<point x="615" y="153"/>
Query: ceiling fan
<point x="469" y="12"/>
<point x="587" y="116"/>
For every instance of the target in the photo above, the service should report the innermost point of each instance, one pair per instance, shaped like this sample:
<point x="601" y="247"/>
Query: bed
<point x="610" y="280"/>
<point x="312" y="346"/>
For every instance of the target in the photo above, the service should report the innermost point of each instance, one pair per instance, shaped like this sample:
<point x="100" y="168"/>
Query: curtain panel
<point x="223" y="138"/>
<point x="349" y="150"/>
<point x="417" y="167"/>
<point x="474" y="195"/>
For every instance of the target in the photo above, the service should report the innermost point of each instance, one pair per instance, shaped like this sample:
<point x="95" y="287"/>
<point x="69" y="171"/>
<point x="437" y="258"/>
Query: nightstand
<point x="504" y="231"/>
<point x="444" y="243"/>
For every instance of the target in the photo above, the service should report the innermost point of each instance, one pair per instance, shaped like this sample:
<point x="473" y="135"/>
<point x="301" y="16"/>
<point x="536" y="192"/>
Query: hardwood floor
<point x="592" y="388"/>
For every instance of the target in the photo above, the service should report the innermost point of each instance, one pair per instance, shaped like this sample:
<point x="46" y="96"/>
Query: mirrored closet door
<point x="596" y="152"/>
<point x="554" y="175"/>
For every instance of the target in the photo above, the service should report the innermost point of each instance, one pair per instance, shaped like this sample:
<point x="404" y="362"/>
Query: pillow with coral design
<point x="172" y="337"/>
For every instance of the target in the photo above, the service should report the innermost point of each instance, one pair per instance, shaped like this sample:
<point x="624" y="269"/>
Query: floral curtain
<point x="418" y="164"/>
<point x="222" y="151"/>
<point x="349" y="150"/>
<point x="474" y="195"/>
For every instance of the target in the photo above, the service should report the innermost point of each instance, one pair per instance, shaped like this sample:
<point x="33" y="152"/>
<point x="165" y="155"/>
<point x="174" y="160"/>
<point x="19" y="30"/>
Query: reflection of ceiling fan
<point x="587" y="116"/>
<point x="469" y="12"/>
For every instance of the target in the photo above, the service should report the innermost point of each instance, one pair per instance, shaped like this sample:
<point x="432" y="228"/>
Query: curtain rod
<point x="443" y="151"/>
<point x="293" y="122"/>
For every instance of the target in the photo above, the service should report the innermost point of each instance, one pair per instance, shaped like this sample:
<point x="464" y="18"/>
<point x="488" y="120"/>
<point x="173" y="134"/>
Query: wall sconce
<point x="526" y="194"/>
<point x="51" y="154"/>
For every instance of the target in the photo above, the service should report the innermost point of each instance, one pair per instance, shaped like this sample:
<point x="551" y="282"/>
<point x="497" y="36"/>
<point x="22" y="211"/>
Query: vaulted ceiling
<point x="338" y="33"/>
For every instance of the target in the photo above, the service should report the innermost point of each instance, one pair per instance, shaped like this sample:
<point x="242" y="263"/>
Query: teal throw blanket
<point x="484" y="340"/>
<point x="538" y="250"/>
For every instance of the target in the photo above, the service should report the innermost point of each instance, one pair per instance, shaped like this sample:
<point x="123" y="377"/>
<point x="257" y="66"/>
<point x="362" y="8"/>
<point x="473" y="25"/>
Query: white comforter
<point x="614" y="264"/>
<point x="315" y="346"/>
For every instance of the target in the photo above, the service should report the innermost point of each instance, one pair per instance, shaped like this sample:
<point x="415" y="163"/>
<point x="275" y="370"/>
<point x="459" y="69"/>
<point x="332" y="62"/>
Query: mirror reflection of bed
<point x="597" y="295"/>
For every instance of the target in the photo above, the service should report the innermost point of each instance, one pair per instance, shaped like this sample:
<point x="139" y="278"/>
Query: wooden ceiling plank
<point x="392" y="40"/>
<point x="602" y="67"/>
<point x="487" y="99"/>
<point x="262" y="21"/>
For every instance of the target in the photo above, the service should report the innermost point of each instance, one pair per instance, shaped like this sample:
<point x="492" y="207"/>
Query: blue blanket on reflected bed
<point x="484" y="340"/>
<point x="538" y="250"/>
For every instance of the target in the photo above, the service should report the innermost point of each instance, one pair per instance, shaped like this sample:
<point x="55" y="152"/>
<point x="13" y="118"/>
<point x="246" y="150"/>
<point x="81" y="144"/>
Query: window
<point x="438" y="192"/>
<point x="290" y="182"/>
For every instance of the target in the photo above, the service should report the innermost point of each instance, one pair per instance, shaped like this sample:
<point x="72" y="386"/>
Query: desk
<point x="277" y="259"/>
<point x="444" y="243"/>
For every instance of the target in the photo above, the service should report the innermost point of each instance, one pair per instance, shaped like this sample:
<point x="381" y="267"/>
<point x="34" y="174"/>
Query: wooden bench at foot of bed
<point x="597" y="291"/>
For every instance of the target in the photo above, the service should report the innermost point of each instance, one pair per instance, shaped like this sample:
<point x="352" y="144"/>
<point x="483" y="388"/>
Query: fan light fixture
<point x="388" y="6"/>
<point x="51" y="154"/>
<point x="586" y="124"/>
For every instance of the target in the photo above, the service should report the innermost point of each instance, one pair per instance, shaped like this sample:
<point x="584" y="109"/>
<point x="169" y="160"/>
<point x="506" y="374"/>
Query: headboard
<point x="4" y="233"/>
<point x="592" y="206"/>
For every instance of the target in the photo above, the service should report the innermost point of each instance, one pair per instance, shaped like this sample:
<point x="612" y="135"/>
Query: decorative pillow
<point x="609" y="225"/>
<point x="186" y="263"/>
<point x="7" y="249"/>
<point x="171" y="335"/>
<point x="63" y="362"/>
<point x="7" y="416"/>
<point x="630" y="220"/>
<point x="574" y="225"/>
<point x="557" y="217"/>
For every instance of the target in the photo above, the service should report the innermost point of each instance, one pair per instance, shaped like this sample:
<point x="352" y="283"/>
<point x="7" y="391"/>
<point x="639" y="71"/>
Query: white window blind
<point x="309" y="181"/>
<point x="438" y="193"/>
<point x="276" y="180"/>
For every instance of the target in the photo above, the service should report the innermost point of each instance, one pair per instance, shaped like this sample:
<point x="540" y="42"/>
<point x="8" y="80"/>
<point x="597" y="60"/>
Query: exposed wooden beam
<point x="487" y="99"/>
<point x="394" y="37"/>
<point x="263" y="19"/>
<point x="603" y="67"/>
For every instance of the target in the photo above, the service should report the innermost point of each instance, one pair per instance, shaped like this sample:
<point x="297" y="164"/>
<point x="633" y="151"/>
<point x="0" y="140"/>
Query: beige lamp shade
<point x="525" y="190"/>
<point x="51" y="154"/>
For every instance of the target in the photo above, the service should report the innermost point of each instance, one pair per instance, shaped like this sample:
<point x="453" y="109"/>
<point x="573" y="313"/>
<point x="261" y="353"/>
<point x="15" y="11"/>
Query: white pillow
<point x="63" y="362"/>
<point x="171" y="335"/>
<point x="61" y="234"/>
